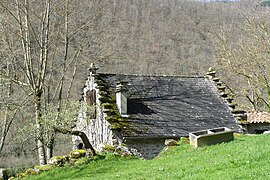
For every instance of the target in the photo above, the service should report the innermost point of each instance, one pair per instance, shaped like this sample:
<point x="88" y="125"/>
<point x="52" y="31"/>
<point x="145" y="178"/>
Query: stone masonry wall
<point x="146" y="149"/>
<point x="97" y="130"/>
<point x="258" y="128"/>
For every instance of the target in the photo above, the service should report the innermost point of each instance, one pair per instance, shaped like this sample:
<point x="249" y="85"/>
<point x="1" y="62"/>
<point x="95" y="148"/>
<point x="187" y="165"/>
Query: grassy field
<point x="247" y="157"/>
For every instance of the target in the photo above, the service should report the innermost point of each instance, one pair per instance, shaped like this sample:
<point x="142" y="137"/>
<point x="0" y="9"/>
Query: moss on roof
<point x="166" y="106"/>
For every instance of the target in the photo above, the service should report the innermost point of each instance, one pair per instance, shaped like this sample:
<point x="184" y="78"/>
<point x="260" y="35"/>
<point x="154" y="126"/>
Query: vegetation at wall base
<point x="247" y="157"/>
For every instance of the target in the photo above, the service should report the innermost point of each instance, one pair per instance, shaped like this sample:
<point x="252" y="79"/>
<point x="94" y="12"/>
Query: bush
<point x="11" y="172"/>
<point x="43" y="168"/>
<point x="58" y="160"/>
<point x="76" y="154"/>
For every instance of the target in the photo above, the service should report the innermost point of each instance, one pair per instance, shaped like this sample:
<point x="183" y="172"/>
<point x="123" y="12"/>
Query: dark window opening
<point x="91" y="103"/>
<point x="260" y="131"/>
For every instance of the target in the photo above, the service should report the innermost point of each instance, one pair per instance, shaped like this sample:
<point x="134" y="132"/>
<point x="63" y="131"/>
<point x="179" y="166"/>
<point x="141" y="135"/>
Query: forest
<point x="47" y="47"/>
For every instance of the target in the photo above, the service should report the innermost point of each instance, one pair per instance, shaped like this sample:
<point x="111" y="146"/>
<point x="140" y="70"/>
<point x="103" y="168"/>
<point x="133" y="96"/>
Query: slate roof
<point x="171" y="106"/>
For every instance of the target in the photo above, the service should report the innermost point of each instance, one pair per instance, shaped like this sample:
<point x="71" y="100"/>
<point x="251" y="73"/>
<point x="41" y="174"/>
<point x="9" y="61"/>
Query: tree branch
<point x="82" y="135"/>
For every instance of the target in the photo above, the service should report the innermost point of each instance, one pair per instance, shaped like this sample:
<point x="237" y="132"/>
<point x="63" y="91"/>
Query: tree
<point x="244" y="55"/>
<point x="10" y="102"/>
<point x="44" y="41"/>
<point x="63" y="121"/>
<point x="7" y="110"/>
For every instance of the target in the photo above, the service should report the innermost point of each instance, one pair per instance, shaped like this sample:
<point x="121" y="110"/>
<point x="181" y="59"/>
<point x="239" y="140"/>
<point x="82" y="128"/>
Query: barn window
<point x="91" y="103"/>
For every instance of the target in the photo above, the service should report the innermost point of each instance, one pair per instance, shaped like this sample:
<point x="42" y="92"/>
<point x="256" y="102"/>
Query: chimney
<point x="121" y="97"/>
<point x="211" y="73"/>
<point x="93" y="69"/>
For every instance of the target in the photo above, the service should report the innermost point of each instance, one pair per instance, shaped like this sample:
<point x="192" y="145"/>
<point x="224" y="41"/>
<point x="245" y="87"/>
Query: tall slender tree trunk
<point x="5" y="123"/>
<point x="8" y="118"/>
<point x="4" y="131"/>
<point x="39" y="130"/>
<point x="50" y="147"/>
<point x="5" y="128"/>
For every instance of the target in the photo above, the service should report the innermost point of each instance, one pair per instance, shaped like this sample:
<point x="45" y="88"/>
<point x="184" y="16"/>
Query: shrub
<point x="43" y="168"/>
<point x="76" y="154"/>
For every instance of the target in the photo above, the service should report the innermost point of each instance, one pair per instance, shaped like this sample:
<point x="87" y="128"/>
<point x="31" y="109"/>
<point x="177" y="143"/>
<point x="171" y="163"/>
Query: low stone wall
<point x="147" y="149"/>
<point x="257" y="128"/>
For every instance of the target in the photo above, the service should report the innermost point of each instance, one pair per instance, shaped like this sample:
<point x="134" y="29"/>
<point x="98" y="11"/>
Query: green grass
<point x="247" y="157"/>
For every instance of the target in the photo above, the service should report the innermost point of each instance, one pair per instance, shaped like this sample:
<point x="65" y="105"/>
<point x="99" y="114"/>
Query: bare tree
<point x="45" y="40"/>
<point x="7" y="110"/>
<point x="244" y="55"/>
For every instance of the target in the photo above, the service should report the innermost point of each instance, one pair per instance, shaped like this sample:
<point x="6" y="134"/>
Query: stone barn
<point x="256" y="122"/>
<point x="142" y="111"/>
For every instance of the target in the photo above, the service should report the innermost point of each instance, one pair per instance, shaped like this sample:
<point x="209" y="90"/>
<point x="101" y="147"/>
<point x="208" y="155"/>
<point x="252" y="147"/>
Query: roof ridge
<point x="155" y="75"/>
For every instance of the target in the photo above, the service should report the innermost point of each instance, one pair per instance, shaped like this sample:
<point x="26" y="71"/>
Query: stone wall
<point x="95" y="126"/>
<point x="257" y="128"/>
<point x="146" y="148"/>
<point x="99" y="130"/>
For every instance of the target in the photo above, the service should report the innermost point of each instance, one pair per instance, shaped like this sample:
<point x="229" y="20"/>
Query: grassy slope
<point x="248" y="157"/>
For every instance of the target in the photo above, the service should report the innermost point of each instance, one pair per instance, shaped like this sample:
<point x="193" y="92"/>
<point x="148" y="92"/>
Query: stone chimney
<point x="211" y="73"/>
<point x="121" y="97"/>
<point x="93" y="69"/>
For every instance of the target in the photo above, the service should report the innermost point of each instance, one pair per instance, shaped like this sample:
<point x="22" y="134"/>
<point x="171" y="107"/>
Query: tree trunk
<point x="40" y="141"/>
<point x="50" y="147"/>
<point x="82" y="135"/>
<point x="7" y="119"/>
<point x="2" y="142"/>
<point x="5" y="128"/>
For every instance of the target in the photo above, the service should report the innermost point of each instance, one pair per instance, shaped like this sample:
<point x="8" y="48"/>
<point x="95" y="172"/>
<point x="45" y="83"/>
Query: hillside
<point x="154" y="37"/>
<point x="247" y="157"/>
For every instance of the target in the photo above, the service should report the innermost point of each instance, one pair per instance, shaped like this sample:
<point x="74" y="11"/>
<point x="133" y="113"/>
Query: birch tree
<point x="45" y="40"/>
<point x="7" y="112"/>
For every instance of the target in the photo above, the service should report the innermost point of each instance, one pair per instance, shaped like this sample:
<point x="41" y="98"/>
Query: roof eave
<point x="152" y="137"/>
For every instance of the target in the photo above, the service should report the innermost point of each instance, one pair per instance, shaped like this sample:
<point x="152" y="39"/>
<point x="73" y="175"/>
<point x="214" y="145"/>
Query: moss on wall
<point x="107" y="99"/>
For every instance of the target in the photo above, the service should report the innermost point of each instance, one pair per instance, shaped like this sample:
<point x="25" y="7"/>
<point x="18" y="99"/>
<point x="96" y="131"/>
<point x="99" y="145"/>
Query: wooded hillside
<point x="47" y="47"/>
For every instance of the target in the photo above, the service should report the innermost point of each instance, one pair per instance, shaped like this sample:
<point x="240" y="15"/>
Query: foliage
<point x="108" y="148"/>
<point x="43" y="168"/>
<point x="247" y="157"/>
<point x="76" y="154"/>
<point x="16" y="170"/>
<point x="66" y="118"/>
